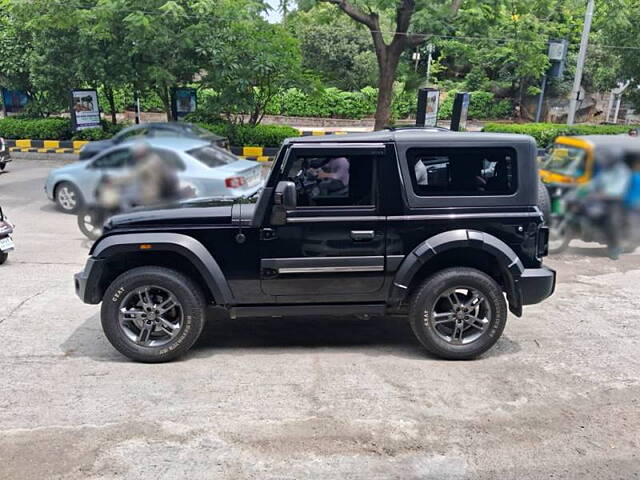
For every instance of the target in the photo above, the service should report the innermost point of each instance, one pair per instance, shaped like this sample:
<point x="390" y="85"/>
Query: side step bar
<point x="303" y="310"/>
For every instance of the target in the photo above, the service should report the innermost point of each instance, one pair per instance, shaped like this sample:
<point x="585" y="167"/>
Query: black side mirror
<point x="285" y="198"/>
<point x="285" y="195"/>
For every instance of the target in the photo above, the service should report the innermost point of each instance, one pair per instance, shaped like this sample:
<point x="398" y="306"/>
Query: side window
<point x="333" y="180"/>
<point x="134" y="132"/>
<point x="462" y="171"/>
<point x="117" y="159"/>
<point x="170" y="158"/>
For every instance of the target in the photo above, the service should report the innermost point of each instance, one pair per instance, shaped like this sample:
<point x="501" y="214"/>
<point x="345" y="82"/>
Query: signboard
<point x="85" y="111"/>
<point x="14" y="101"/>
<point x="428" y="106"/>
<point x="557" y="56"/>
<point x="185" y="101"/>
<point x="460" y="111"/>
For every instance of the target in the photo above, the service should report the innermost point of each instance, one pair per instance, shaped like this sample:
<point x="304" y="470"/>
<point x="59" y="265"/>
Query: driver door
<point x="332" y="245"/>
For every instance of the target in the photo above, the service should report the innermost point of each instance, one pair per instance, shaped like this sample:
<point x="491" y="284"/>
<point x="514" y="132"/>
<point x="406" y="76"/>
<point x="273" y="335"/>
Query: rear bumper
<point x="87" y="282"/>
<point x="536" y="284"/>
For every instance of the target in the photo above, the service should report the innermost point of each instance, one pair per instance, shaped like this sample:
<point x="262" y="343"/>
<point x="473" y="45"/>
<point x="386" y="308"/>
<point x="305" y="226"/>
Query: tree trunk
<point x="165" y="96"/>
<point x="108" y="91"/>
<point x="385" y="96"/>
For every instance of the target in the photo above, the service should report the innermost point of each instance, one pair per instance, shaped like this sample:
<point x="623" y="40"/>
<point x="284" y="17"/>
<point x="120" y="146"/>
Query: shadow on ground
<point x="375" y="337"/>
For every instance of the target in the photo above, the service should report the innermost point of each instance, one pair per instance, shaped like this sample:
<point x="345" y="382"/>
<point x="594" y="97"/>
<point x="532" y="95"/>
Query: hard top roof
<point x="412" y="135"/>
<point x="623" y="141"/>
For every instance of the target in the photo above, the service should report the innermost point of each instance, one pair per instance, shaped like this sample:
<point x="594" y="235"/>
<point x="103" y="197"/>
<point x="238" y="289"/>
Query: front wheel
<point x="90" y="224"/>
<point x="2" y="165"/>
<point x="458" y="313"/>
<point x="68" y="197"/>
<point x="3" y="257"/>
<point x="153" y="314"/>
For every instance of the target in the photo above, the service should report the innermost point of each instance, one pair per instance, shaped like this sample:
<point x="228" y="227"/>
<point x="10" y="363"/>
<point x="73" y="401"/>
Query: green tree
<point x="389" y="23"/>
<point x="334" y="48"/>
<point x="247" y="62"/>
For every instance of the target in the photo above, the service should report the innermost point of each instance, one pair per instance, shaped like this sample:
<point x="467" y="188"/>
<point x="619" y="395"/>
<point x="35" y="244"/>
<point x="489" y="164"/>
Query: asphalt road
<point x="558" y="397"/>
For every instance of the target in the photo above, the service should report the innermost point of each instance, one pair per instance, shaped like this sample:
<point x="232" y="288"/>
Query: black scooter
<point x="6" y="242"/>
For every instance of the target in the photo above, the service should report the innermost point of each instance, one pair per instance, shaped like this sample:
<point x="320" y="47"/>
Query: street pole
<point x="573" y="103"/>
<point x="430" y="50"/>
<point x="541" y="98"/>
<point x="137" y="102"/>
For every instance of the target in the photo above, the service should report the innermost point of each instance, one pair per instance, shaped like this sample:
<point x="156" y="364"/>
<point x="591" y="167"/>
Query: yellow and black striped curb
<point x="46" y="146"/>
<point x="258" y="154"/>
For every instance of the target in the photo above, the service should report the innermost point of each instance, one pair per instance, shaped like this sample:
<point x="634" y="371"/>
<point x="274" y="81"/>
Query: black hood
<point x="195" y="212"/>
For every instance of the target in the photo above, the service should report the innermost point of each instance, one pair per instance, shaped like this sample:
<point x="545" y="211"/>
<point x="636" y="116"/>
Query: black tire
<point x="3" y="257"/>
<point x="68" y="188"/>
<point x="2" y="165"/>
<point x="188" y="295"/>
<point x="426" y="298"/>
<point x="88" y="224"/>
<point x="560" y="236"/>
<point x="544" y="202"/>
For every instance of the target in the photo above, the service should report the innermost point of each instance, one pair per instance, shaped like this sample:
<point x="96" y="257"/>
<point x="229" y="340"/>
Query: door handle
<point x="362" y="235"/>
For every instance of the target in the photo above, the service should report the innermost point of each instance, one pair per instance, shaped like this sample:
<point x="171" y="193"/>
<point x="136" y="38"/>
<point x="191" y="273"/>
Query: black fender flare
<point x="508" y="261"/>
<point x="188" y="247"/>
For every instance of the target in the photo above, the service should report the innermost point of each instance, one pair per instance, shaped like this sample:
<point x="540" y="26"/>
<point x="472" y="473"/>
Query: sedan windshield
<point x="212" y="156"/>
<point x="566" y="160"/>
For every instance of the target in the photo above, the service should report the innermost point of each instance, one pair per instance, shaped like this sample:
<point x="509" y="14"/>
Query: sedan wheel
<point x="68" y="198"/>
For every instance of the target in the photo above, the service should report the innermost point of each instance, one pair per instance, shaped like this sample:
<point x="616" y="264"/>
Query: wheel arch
<point x="121" y="252"/>
<point x="468" y="248"/>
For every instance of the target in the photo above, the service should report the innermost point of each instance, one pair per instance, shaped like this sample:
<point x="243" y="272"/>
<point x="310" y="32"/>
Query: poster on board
<point x="428" y="105"/>
<point x="185" y="101"/>
<point x="85" y="111"/>
<point x="14" y="101"/>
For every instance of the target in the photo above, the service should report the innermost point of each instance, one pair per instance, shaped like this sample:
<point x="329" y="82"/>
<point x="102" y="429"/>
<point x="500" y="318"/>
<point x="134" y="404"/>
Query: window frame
<point x="336" y="150"/>
<point x="109" y="153"/>
<point x="413" y="157"/>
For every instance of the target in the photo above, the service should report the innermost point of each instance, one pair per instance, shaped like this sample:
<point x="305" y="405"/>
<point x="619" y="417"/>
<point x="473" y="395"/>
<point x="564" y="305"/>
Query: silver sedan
<point x="209" y="170"/>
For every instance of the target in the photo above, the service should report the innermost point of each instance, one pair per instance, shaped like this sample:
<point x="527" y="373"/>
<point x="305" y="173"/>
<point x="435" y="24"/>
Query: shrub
<point x="545" y="133"/>
<point x="40" y="129"/>
<point x="108" y="130"/>
<point x="482" y="105"/>
<point x="248" y="135"/>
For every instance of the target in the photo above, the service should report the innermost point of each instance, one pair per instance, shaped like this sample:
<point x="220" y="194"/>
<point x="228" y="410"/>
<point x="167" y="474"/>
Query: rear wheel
<point x="153" y="314"/>
<point x="68" y="197"/>
<point x="2" y="165"/>
<point x="458" y="313"/>
<point x="3" y="257"/>
<point x="560" y="236"/>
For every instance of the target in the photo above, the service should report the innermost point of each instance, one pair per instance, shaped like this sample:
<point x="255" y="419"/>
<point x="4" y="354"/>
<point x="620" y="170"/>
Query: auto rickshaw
<point x="571" y="163"/>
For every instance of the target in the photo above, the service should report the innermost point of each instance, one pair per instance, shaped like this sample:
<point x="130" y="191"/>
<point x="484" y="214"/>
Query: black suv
<point x="440" y="227"/>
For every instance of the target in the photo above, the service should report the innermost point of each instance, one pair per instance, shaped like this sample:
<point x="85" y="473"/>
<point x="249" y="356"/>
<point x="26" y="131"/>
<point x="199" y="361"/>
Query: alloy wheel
<point x="151" y="316"/>
<point x="67" y="198"/>
<point x="461" y="315"/>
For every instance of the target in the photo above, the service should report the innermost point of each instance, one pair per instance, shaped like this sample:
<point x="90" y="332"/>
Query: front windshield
<point x="566" y="160"/>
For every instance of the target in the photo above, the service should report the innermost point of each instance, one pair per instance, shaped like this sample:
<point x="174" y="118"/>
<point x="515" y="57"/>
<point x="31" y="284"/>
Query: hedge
<point x="60" y="129"/>
<point x="545" y="133"/>
<point x="41" y="128"/>
<point x="254" y="136"/>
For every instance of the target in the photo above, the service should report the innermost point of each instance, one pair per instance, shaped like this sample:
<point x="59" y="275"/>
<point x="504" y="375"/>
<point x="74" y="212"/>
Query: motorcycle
<point x="6" y="242"/>
<point x="5" y="157"/>
<point x="575" y="218"/>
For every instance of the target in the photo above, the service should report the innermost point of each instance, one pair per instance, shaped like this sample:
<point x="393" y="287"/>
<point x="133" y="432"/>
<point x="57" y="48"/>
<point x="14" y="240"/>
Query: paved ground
<point x="559" y="397"/>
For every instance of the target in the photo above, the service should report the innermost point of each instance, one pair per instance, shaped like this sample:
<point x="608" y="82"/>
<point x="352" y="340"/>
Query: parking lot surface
<point x="558" y="397"/>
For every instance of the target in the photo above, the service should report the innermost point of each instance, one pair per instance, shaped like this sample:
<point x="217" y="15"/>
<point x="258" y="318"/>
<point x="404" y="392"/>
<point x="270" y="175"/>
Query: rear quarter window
<point x="212" y="156"/>
<point x="463" y="171"/>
